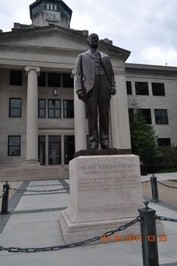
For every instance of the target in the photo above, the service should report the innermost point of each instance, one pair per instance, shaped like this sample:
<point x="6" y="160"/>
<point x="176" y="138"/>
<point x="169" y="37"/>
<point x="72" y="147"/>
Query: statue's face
<point x="93" y="40"/>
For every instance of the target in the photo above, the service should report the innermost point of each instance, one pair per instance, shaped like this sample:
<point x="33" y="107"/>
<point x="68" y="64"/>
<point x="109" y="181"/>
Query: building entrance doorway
<point x="54" y="150"/>
<point x="41" y="149"/>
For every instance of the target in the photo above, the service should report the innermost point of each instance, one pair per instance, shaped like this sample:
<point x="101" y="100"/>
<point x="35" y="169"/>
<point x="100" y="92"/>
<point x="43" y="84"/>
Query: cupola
<point x="50" y="12"/>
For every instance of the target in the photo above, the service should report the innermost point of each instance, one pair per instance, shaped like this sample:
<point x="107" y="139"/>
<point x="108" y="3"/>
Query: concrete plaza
<point x="33" y="222"/>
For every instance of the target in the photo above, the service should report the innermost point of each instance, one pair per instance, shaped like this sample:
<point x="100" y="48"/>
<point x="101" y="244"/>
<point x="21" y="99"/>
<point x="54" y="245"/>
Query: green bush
<point x="166" y="158"/>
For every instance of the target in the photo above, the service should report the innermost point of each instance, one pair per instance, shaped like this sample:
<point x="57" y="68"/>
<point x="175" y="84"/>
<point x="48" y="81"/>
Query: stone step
<point x="30" y="172"/>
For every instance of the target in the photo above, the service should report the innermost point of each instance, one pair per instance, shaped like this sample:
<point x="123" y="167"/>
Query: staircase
<point x="33" y="172"/>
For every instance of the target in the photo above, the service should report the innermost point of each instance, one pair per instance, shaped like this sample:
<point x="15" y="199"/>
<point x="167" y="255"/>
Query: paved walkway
<point x="33" y="222"/>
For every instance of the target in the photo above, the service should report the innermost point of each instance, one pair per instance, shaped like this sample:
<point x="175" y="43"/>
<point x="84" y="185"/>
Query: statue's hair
<point x="88" y="38"/>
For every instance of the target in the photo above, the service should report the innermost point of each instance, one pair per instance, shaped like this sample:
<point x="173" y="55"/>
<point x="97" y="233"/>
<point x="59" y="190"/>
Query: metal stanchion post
<point x="149" y="237"/>
<point x="154" y="188"/>
<point x="5" y="197"/>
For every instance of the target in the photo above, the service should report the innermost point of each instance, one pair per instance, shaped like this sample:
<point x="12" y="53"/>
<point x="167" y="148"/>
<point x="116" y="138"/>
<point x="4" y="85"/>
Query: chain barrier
<point x="146" y="181"/>
<point x="72" y="245"/>
<point x="162" y="218"/>
<point x="166" y="185"/>
<point x="40" y="191"/>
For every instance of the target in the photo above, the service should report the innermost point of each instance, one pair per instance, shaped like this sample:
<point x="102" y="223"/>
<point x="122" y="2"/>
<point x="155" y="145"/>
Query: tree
<point x="143" y="139"/>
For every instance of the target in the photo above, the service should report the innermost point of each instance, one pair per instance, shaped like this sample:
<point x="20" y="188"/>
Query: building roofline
<point x="82" y="35"/>
<point x="144" y="67"/>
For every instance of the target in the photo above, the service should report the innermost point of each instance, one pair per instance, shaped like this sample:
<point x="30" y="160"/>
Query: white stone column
<point x="120" y="129"/>
<point x="32" y="115"/>
<point x="79" y="123"/>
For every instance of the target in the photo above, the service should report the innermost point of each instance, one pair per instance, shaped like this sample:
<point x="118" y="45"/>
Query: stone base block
<point x="105" y="193"/>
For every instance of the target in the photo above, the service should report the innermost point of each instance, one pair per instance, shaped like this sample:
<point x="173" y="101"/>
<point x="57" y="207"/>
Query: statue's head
<point x="93" y="40"/>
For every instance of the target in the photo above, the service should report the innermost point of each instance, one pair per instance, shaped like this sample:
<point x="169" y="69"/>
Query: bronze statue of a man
<point x="94" y="85"/>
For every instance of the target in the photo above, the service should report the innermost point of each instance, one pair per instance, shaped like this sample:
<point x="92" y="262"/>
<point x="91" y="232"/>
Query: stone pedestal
<point x="105" y="193"/>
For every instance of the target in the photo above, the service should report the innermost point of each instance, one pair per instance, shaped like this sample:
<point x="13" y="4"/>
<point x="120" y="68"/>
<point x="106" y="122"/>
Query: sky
<point x="147" y="28"/>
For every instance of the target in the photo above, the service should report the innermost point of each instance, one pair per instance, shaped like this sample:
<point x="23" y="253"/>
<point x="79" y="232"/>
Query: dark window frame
<point x="129" y="87"/>
<point x="11" y="108"/>
<point x="54" y="79"/>
<point x="141" y="88"/>
<point x="54" y="109"/>
<point x="146" y="113"/>
<point x="164" y="142"/>
<point x="41" y="108"/>
<point x="11" y="146"/>
<point x="67" y="80"/>
<point x="42" y="79"/>
<point x="16" y="78"/>
<point x="67" y="112"/>
<point x="161" y="116"/>
<point x="158" y="89"/>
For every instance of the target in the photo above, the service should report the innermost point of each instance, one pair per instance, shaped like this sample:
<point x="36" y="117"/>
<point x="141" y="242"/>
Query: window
<point x="41" y="108"/>
<point x="141" y="88"/>
<point x="54" y="80"/>
<point x="68" y="109"/>
<point x="146" y="114"/>
<point x="68" y="81"/>
<point x="15" y="107"/>
<point x="42" y="79"/>
<point x="158" y="89"/>
<point x="161" y="116"/>
<point x="54" y="108"/>
<point x="16" y="77"/>
<point x="51" y="7"/>
<point x="129" y="87"/>
<point x="164" y="141"/>
<point x="130" y="113"/>
<point x="14" y="145"/>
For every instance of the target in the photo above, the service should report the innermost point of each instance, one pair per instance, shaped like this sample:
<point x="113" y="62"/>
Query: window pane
<point x="158" y="89"/>
<point x="57" y="113"/>
<point x="14" y="145"/>
<point x="15" y="106"/>
<point x="164" y="142"/>
<point x="15" y="77"/>
<point x="146" y="114"/>
<point x="41" y="108"/>
<point x="53" y="80"/>
<point x="68" y="108"/>
<point x="141" y="88"/>
<point x="68" y="81"/>
<point x="42" y="79"/>
<point x="15" y="103"/>
<point x="161" y="116"/>
<point x="129" y="87"/>
<point x="54" y="108"/>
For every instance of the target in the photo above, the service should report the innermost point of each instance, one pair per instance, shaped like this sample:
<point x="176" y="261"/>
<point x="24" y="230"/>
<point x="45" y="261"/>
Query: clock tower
<point x="50" y="12"/>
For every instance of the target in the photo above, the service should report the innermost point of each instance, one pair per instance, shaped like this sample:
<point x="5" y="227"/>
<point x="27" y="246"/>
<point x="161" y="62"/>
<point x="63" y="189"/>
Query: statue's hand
<point x="113" y="91"/>
<point x="81" y="95"/>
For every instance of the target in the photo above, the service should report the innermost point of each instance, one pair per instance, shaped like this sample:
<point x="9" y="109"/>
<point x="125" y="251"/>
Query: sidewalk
<point x="34" y="223"/>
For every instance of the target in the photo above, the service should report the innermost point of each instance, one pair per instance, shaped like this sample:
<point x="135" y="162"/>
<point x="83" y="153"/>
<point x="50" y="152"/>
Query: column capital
<point x="29" y="68"/>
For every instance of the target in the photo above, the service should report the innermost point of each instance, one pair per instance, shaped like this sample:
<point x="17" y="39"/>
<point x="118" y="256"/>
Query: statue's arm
<point x="79" y="79"/>
<point x="112" y="78"/>
<point x="79" y="73"/>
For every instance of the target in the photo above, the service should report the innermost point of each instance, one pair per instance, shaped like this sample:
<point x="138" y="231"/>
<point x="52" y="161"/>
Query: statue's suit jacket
<point x="85" y="71"/>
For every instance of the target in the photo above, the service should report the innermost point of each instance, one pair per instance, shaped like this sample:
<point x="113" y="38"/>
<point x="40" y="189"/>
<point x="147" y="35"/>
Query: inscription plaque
<point x="105" y="192"/>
